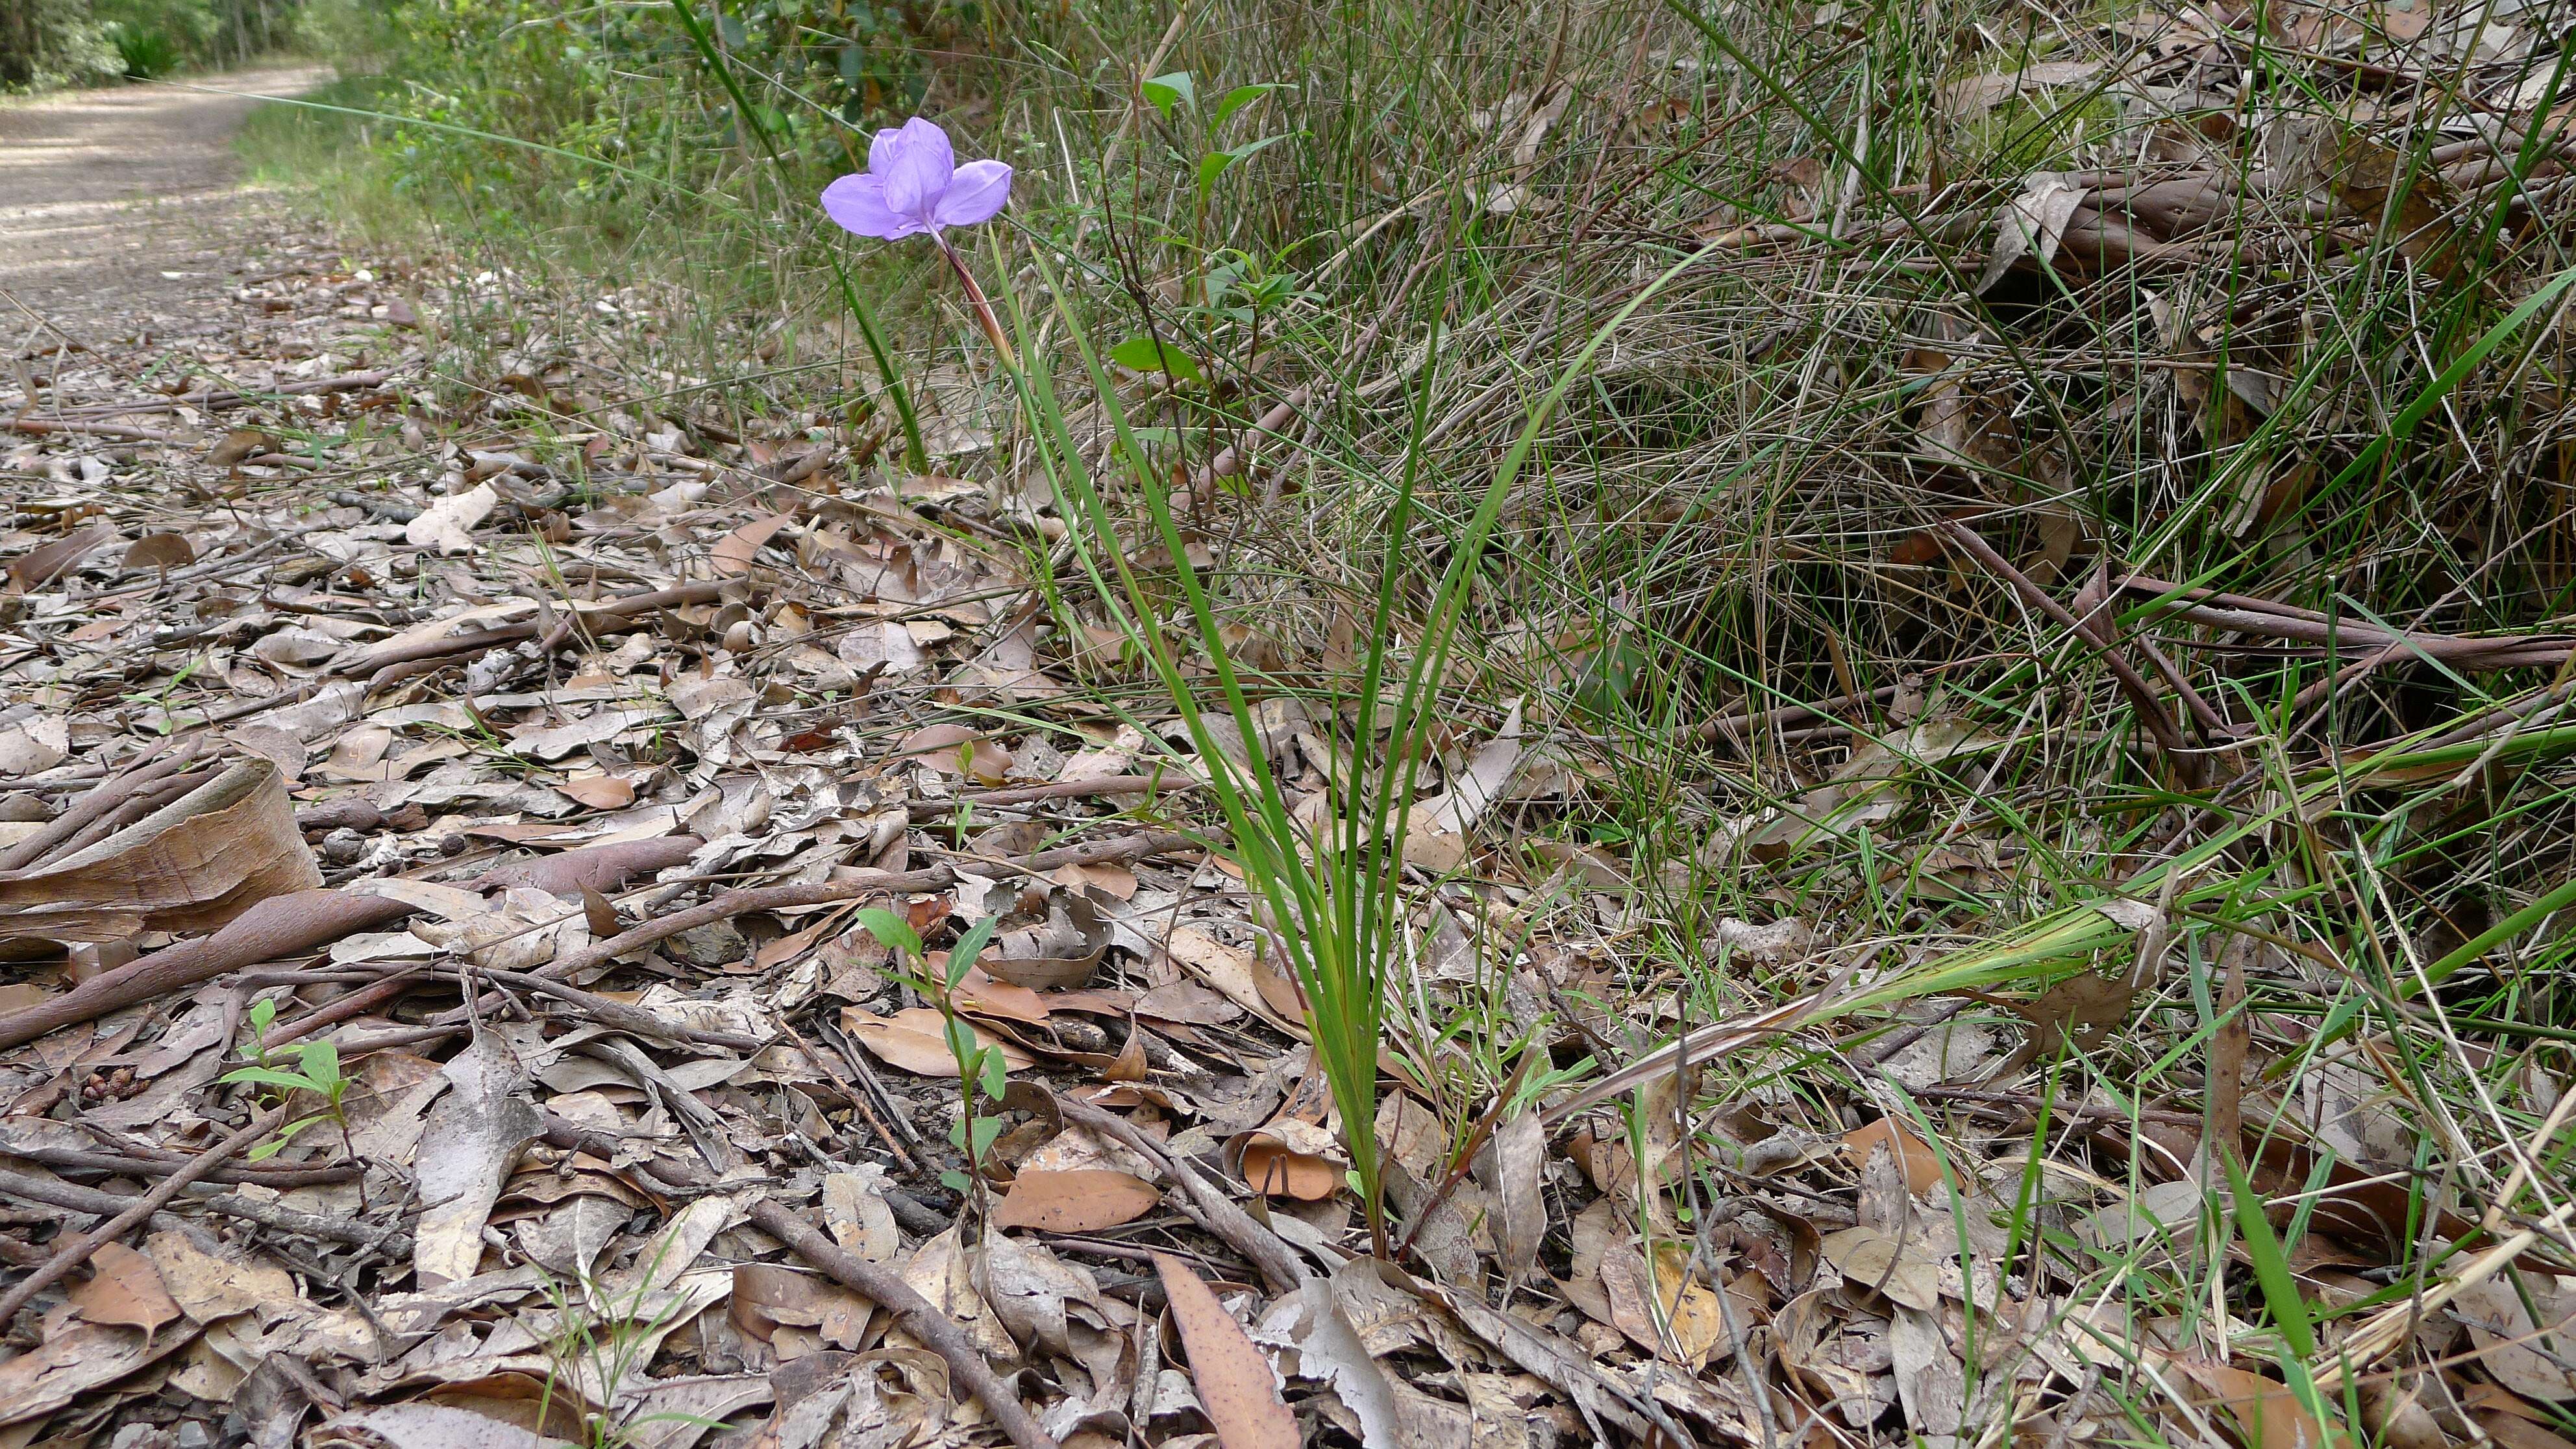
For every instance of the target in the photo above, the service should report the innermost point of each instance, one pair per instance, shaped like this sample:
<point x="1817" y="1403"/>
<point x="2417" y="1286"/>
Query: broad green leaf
<point x="1242" y="96"/>
<point x="270" y="1077"/>
<point x="1217" y="163"/>
<point x="1174" y="88"/>
<point x="892" y="931"/>
<point x="322" y="1064"/>
<point x="997" y="1074"/>
<point x="961" y="956"/>
<point x="2271" y="1266"/>
<point x="262" y="1013"/>
<point x="1145" y="354"/>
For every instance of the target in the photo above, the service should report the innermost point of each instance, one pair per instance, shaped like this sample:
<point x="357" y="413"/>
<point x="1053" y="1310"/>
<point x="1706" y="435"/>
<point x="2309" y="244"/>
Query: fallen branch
<point x="1056" y="790"/>
<point x="78" y="1251"/>
<point x="227" y="397"/>
<point x="599" y="613"/>
<point x="599" y="867"/>
<point x="789" y="897"/>
<point x="139" y="1161"/>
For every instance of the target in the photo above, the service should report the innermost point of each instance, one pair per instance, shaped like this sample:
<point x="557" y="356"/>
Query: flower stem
<point x="982" y="306"/>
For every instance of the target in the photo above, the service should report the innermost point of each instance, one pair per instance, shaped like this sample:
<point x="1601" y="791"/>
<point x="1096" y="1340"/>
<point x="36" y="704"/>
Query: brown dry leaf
<point x="915" y="1040"/>
<point x="467" y="1148"/>
<point x="1081" y="1201"/>
<point x="190" y="866"/>
<point x="943" y="1271"/>
<point x="447" y="525"/>
<point x="734" y="553"/>
<point x="2531" y="1358"/>
<point x="2516" y="1432"/>
<point x="767" y="1296"/>
<point x="209" y="1287"/>
<point x="429" y="1425"/>
<point x="160" y="551"/>
<point x="1057" y="951"/>
<point x="1666" y="1310"/>
<point x="124" y="1288"/>
<point x="1235" y="1382"/>
<point x="39" y="565"/>
<point x="1905" y="1272"/>
<point x="71" y="1363"/>
<point x="955" y="749"/>
<point x="855" y="1210"/>
<point x="600" y="792"/>
<point x="1275" y="1169"/>
<point x="599" y="914"/>
<point x="2266" y="1412"/>
<point x="1518" y="1155"/>
<point x="1922" y="1165"/>
<point x="239" y="444"/>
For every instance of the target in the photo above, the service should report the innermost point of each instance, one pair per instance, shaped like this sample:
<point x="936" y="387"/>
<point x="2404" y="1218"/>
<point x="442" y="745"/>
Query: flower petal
<point x="918" y="162"/>
<point x="978" y="191"/>
<point x="858" y="203"/>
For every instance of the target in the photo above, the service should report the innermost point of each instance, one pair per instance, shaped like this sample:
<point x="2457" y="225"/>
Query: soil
<point x="121" y="208"/>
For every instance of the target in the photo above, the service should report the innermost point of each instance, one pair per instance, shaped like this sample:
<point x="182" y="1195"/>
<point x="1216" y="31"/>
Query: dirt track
<point x="106" y="193"/>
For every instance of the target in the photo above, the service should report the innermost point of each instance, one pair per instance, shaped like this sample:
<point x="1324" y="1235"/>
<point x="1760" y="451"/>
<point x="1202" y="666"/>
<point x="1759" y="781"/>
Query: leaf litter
<point x="537" y="758"/>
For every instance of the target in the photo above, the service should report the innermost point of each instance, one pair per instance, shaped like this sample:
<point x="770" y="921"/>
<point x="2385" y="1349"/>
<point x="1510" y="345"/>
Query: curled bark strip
<point x="95" y="804"/>
<point x="599" y="867"/>
<point x="279" y="926"/>
<point x="79" y="1249"/>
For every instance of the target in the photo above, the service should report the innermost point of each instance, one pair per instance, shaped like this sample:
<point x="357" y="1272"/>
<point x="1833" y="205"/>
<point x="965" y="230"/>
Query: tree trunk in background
<point x="17" y="42"/>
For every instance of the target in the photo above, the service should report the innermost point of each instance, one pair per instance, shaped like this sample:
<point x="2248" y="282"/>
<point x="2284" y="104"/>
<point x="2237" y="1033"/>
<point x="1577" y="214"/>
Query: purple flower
<point x="913" y="184"/>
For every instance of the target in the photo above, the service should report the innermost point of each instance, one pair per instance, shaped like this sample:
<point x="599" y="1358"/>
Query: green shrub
<point x="145" y="54"/>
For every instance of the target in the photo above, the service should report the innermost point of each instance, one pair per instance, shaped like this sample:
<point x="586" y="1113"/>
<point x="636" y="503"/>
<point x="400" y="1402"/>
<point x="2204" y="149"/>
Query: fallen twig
<point x="879" y="1284"/>
<point x="1056" y="790"/>
<point x="54" y="1192"/>
<point x="139" y="1161"/>
<point x="279" y="926"/>
<point x="1262" y="1248"/>
<point x="78" y="1251"/>
<point x="2150" y="710"/>
<point x="227" y="397"/>
<point x="119" y="431"/>
<point x="785" y="897"/>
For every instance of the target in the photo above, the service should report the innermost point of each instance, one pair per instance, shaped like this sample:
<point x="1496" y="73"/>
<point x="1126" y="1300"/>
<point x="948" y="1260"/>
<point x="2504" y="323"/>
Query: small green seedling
<point x="979" y="1068"/>
<point x="316" y="1070"/>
